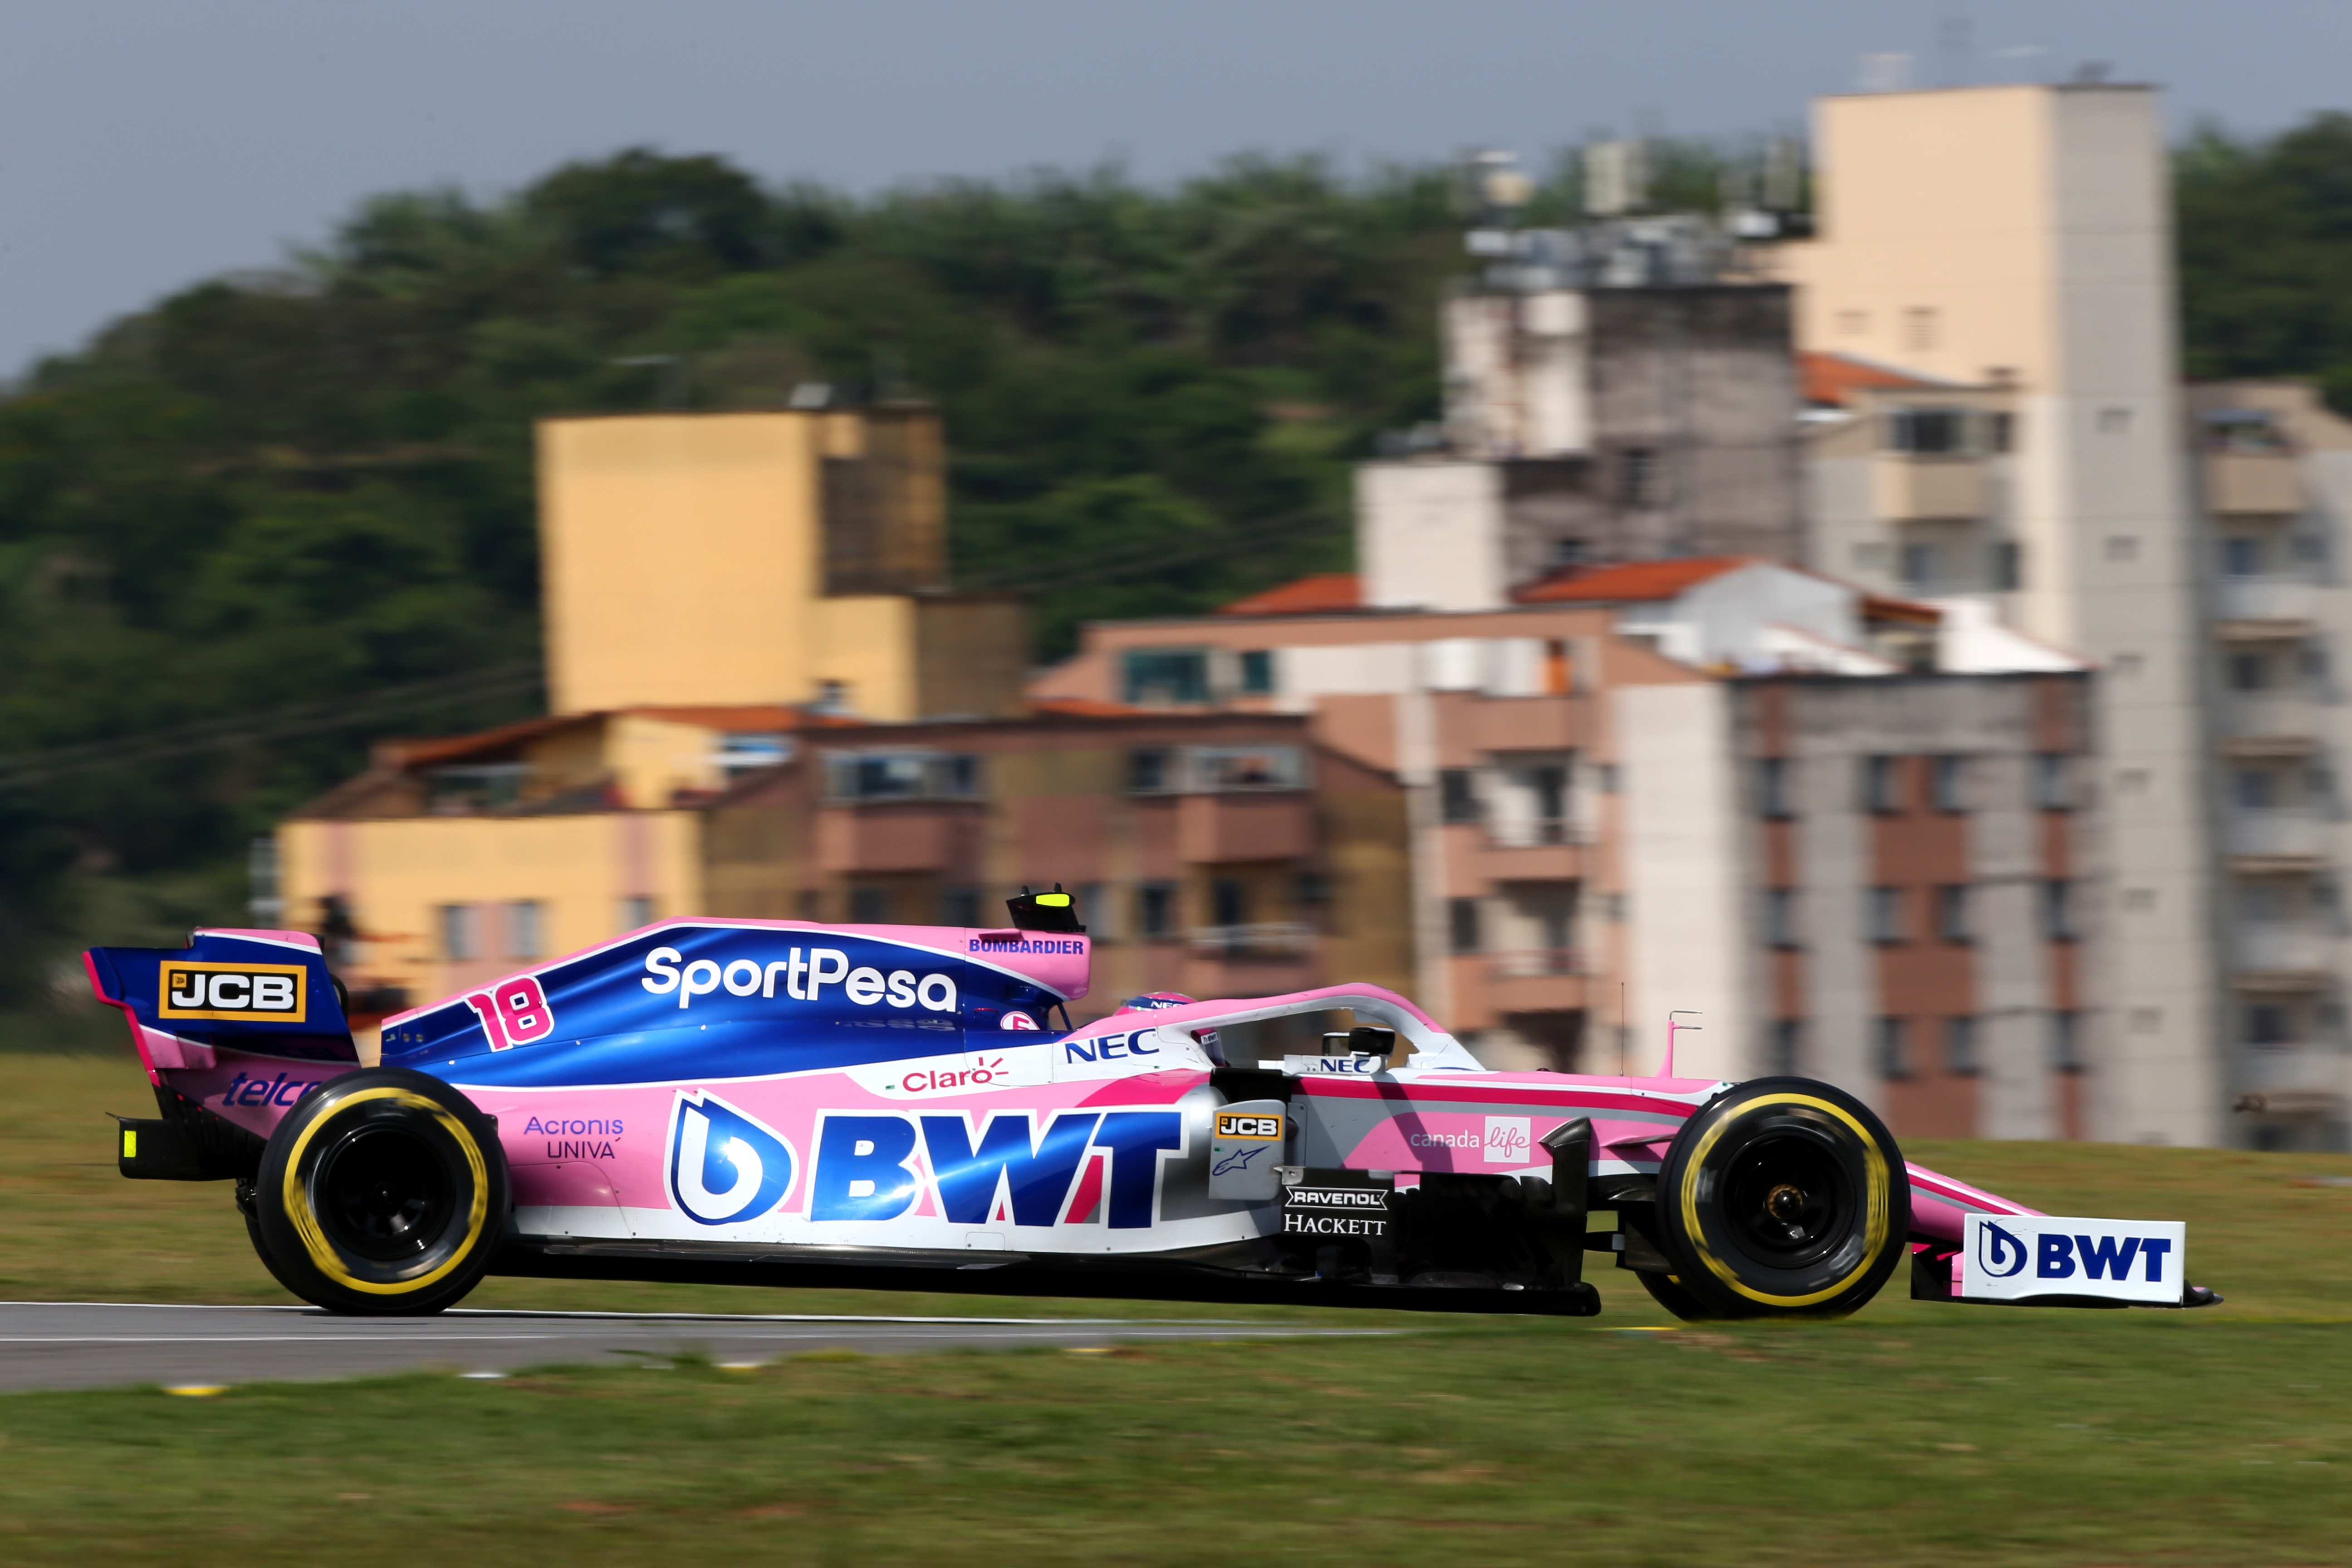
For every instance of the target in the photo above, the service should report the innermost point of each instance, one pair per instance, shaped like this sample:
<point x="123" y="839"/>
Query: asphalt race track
<point x="80" y="1344"/>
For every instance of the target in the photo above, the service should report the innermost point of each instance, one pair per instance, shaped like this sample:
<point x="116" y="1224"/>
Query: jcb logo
<point x="1247" y="1126"/>
<point x="277" y="992"/>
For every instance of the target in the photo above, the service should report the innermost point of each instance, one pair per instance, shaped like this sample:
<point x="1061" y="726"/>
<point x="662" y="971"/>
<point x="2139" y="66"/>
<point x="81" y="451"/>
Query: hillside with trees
<point x="262" y="521"/>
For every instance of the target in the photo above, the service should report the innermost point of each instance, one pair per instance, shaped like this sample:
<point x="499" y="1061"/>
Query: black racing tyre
<point x="260" y="1248"/>
<point x="1666" y="1293"/>
<point x="384" y="1194"/>
<point x="1783" y="1197"/>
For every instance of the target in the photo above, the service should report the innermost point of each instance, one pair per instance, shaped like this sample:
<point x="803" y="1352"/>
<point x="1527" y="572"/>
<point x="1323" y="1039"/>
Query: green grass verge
<point x="1909" y="1433"/>
<point x="1983" y="1437"/>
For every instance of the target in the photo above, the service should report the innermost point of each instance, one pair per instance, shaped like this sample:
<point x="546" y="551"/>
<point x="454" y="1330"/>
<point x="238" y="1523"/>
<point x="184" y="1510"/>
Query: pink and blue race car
<point x="792" y="1103"/>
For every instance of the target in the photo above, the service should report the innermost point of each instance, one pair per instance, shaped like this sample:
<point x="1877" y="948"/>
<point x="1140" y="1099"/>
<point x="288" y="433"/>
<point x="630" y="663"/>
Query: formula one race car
<point x="786" y="1102"/>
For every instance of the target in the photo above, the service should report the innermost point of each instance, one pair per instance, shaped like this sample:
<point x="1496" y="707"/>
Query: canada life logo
<point x="1508" y="1140"/>
<point x="725" y="1165"/>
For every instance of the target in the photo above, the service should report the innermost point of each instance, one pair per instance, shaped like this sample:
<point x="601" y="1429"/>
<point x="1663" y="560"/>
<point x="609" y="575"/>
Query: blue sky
<point x="146" y="144"/>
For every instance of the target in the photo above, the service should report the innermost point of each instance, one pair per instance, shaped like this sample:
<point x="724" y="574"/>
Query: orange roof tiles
<point x="1634" y="581"/>
<point x="1319" y="594"/>
<point x="1832" y="378"/>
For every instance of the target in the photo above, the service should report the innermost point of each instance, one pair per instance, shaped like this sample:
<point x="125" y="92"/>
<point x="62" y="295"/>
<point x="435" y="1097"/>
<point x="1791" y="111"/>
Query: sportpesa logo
<point x="277" y="993"/>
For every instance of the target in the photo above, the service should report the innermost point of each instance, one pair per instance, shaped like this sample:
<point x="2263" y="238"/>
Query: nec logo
<point x="2012" y="1257"/>
<point x="277" y="993"/>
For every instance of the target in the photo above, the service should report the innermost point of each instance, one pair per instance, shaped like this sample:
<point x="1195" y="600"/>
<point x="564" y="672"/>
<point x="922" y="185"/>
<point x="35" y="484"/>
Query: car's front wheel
<point x="385" y="1193"/>
<point x="1782" y="1197"/>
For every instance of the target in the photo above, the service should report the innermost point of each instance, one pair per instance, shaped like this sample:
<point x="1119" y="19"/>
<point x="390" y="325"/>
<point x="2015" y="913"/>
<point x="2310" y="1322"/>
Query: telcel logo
<point x="275" y="991"/>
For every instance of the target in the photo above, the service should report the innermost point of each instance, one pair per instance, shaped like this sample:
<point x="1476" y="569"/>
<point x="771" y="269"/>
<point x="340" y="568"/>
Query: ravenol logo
<point x="724" y="1166"/>
<point x="274" y="991"/>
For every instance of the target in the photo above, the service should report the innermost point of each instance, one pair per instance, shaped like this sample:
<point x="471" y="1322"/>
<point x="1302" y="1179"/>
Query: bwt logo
<point x="2015" y="1257"/>
<point x="275" y="991"/>
<point x="2058" y="1256"/>
<point x="724" y="1165"/>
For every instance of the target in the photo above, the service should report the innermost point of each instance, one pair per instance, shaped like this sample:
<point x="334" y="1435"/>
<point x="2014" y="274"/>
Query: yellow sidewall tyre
<point x="1674" y="1298"/>
<point x="1783" y="1197"/>
<point x="384" y="1194"/>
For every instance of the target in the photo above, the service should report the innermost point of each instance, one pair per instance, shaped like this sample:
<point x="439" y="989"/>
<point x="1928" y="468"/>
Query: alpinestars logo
<point x="724" y="1166"/>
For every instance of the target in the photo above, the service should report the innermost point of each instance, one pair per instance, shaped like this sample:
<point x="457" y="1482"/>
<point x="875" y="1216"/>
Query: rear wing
<point x="259" y="992"/>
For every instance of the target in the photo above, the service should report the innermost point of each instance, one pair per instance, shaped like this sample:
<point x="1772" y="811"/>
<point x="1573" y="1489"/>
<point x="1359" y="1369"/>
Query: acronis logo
<point x="724" y="1166"/>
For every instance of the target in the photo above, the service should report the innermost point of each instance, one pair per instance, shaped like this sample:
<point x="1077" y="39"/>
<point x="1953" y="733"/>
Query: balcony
<point x="2294" y="1079"/>
<point x="1258" y="940"/>
<point x="2277" y="840"/>
<point x="2254" y="484"/>
<point x="2280" y="958"/>
<point x="1216" y="829"/>
<point x="1536" y="979"/>
<point x="1920" y="487"/>
<point x="2269" y="724"/>
<point x="2266" y="601"/>
<point x="936" y="837"/>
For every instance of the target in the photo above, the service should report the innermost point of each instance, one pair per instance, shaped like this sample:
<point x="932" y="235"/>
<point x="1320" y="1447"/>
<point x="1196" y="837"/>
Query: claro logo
<point x="277" y="993"/>
<point x="805" y="979"/>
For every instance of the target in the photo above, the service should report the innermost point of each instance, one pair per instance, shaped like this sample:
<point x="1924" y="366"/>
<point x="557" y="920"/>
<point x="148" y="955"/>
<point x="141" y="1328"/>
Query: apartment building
<point x="1212" y="853"/>
<point x="1995" y="425"/>
<point x="1716" y="783"/>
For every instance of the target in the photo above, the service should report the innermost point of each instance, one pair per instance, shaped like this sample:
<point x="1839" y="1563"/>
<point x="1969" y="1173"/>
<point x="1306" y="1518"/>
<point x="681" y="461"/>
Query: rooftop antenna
<point x="1674" y="1022"/>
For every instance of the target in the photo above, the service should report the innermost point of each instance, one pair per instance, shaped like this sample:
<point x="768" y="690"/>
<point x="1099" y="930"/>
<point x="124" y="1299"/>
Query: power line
<point x="315" y="718"/>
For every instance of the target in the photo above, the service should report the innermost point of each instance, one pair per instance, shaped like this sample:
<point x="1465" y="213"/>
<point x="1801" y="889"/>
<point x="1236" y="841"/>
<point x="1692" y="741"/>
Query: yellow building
<point x="795" y="557"/>
<point x="714" y="585"/>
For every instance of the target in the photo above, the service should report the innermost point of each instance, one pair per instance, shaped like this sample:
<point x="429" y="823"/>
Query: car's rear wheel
<point x="1782" y="1197"/>
<point x="385" y="1193"/>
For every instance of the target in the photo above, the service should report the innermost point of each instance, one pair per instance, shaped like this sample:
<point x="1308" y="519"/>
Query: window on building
<point x="872" y="906"/>
<point x="1457" y="795"/>
<point x="1922" y="565"/>
<point x="1772" y="793"/>
<point x="637" y="909"/>
<point x="1919" y="326"/>
<point x="2066" y="1042"/>
<point x="1893" y="1049"/>
<point x="460" y="933"/>
<point x="2007" y="566"/>
<point x="1213" y="769"/>
<point x="2242" y="556"/>
<point x="1886" y="915"/>
<point x="1637" y="478"/>
<point x="1149" y="770"/>
<point x="959" y="906"/>
<point x="2054" y="781"/>
<point x="2000" y="431"/>
<point x="1784" y="1046"/>
<point x="1947" y="779"/>
<point x="1165" y="676"/>
<point x="1928" y="432"/>
<point x="910" y="774"/>
<point x="2123" y="547"/>
<point x="1257" y="672"/>
<point x="2249" y="671"/>
<point x="526" y="928"/>
<point x="1880" y="791"/>
<point x="1228" y="901"/>
<point x="1960" y="1045"/>
<point x="1100" y="912"/>
<point x="1952" y="912"/>
<point x="1780" y="917"/>
<point x="2058" y="909"/>
<point x="2255" y="789"/>
<point x="2269" y="1024"/>
<point x="1608" y="777"/>
<point x="1461" y="924"/>
<point x="1155" y="910"/>
<point x="812" y="903"/>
